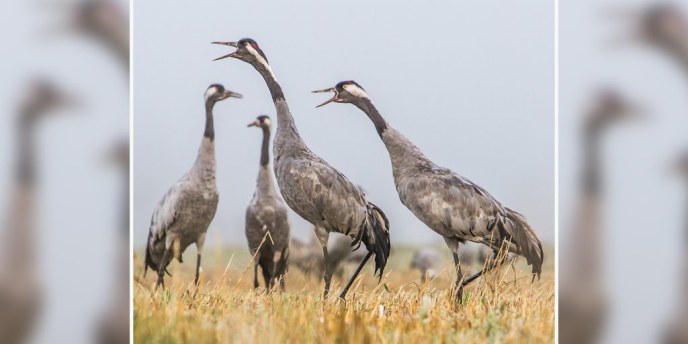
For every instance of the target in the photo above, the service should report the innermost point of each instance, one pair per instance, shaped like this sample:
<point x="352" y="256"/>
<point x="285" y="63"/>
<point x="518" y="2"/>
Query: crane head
<point x="610" y="107"/>
<point x="217" y="92"/>
<point x="344" y="92"/>
<point x="262" y="121"/>
<point x="42" y="97"/>
<point x="247" y="50"/>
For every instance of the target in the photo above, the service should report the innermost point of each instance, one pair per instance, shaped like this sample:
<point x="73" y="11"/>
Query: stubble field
<point x="504" y="307"/>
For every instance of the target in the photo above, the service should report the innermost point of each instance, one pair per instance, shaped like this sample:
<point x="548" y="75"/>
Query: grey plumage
<point x="267" y="214"/>
<point x="183" y="215"/>
<point x="311" y="187"/>
<point x="453" y="206"/>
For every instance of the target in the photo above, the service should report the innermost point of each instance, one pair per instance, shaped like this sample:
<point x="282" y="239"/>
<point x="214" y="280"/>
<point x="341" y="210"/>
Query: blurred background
<point x="622" y="201"/>
<point x="437" y="72"/>
<point x="64" y="157"/>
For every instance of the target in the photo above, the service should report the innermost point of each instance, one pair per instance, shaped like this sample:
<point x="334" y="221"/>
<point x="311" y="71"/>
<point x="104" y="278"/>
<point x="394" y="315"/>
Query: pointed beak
<point x="230" y="94"/>
<point x="255" y="123"/>
<point x="334" y="97"/>
<point x="231" y="44"/>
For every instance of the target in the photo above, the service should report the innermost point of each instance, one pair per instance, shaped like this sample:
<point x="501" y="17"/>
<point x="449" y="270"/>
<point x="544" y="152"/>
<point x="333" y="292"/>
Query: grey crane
<point x="582" y="305"/>
<point x="20" y="287"/>
<point x="267" y="223"/>
<point x="184" y="213"/>
<point x="311" y="187"/>
<point x="427" y="261"/>
<point x="453" y="206"/>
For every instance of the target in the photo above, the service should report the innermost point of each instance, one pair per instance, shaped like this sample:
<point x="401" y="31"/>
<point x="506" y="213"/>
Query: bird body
<point x="452" y="206"/>
<point x="186" y="210"/>
<point x="267" y="224"/>
<point x="183" y="215"/>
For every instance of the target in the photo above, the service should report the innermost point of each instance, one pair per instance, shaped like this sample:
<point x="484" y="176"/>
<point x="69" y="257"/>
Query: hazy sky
<point x="644" y="204"/>
<point x="470" y="83"/>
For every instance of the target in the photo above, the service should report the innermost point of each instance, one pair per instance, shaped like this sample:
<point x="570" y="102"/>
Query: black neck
<point x="367" y="106"/>
<point x="273" y="86"/>
<point x="591" y="162"/>
<point x="209" y="128"/>
<point x="265" y="147"/>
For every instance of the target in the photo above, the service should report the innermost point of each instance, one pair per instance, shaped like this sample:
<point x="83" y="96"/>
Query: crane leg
<point x="161" y="269"/>
<point x="281" y="267"/>
<point x="255" y="276"/>
<point x="354" y="275"/>
<point x="198" y="268"/>
<point x="328" y="272"/>
<point x="458" y="286"/>
<point x="486" y="269"/>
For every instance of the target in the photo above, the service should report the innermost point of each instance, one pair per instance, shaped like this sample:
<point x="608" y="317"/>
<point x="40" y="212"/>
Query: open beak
<point x="334" y="97"/>
<point x="230" y="94"/>
<point x="231" y="44"/>
<point x="255" y="123"/>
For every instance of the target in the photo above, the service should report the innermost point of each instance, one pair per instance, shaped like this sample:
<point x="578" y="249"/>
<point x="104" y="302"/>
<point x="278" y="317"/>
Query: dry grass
<point x="502" y="308"/>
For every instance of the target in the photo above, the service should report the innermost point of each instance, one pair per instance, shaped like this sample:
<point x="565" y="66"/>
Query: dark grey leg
<point x="198" y="268"/>
<point x="354" y="275"/>
<point x="458" y="287"/>
<point x="486" y="269"/>
<point x="161" y="269"/>
<point x="267" y="278"/>
<point x="255" y="276"/>
<point x="328" y="273"/>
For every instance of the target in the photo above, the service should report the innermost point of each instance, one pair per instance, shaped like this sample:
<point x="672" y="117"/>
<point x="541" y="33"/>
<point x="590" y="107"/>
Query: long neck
<point x="265" y="148"/>
<point x="209" y="126"/>
<point x="205" y="162"/>
<point x="367" y="106"/>
<point x="287" y="136"/>
<point x="17" y="241"/>
<point x="403" y="154"/>
<point x="273" y="85"/>
<point x="591" y="178"/>
<point x="26" y="165"/>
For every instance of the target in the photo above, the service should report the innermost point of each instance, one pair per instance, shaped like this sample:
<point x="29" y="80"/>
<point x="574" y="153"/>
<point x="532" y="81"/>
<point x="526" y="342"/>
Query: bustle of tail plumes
<point x="149" y="262"/>
<point x="375" y="236"/>
<point x="149" y="258"/>
<point x="523" y="240"/>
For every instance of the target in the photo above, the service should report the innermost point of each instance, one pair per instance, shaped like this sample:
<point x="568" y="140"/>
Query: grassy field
<point x="504" y="307"/>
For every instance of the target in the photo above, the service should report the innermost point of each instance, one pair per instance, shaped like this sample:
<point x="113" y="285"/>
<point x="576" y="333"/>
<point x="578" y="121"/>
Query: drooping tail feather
<point x="526" y="242"/>
<point x="375" y="237"/>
